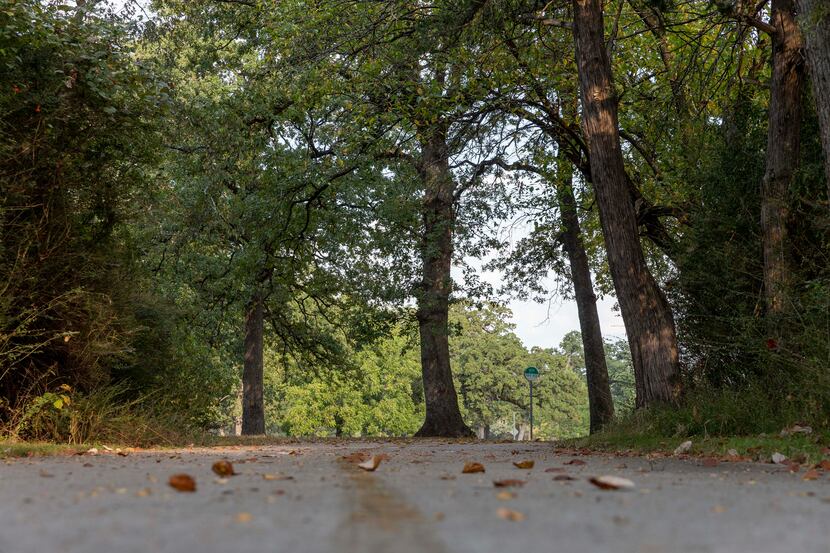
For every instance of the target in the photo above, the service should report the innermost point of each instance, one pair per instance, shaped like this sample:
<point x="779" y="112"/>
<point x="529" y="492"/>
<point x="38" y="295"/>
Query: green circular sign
<point x="532" y="373"/>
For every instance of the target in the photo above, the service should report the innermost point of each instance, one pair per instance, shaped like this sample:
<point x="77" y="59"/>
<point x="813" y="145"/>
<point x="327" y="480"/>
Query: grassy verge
<point x="804" y="448"/>
<point x="37" y="449"/>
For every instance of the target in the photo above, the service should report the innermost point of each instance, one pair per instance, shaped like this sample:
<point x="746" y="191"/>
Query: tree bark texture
<point x="783" y="146"/>
<point x="600" y="401"/>
<point x="814" y="20"/>
<point x="646" y="313"/>
<point x="253" y="409"/>
<point x="443" y="417"/>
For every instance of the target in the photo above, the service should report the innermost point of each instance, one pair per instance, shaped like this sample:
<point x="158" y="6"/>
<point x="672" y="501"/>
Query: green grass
<point x="805" y="448"/>
<point x="37" y="449"/>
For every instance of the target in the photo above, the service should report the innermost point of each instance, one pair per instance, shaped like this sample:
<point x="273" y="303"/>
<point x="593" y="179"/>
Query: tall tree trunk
<point x="600" y="402"/>
<point x="782" y="151"/>
<point x="253" y="410"/>
<point x="443" y="417"/>
<point x="814" y="18"/>
<point x="645" y="311"/>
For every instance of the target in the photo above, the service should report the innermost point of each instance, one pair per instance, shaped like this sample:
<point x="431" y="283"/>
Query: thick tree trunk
<point x="443" y="417"/>
<point x="600" y="402"/>
<point x="782" y="151"/>
<point x="814" y="19"/>
<point x="253" y="409"/>
<point x="645" y="311"/>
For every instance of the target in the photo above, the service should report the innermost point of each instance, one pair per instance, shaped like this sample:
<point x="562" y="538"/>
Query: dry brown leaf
<point x="182" y="483"/>
<point x="683" y="448"/>
<point x="223" y="468"/>
<point x="555" y="469"/>
<point x="718" y="509"/>
<point x="372" y="463"/>
<point x="611" y="482"/>
<point x="526" y="464"/>
<point x="811" y="474"/>
<point x="576" y="462"/>
<point x="508" y="483"/>
<point x="505" y="495"/>
<point x="471" y="467"/>
<point x="510" y="514"/>
<point x="710" y="462"/>
<point x="243" y="518"/>
<point x="356" y="457"/>
<point x="824" y="465"/>
<point x="563" y="478"/>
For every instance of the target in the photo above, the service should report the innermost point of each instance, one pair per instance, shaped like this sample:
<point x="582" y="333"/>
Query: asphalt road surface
<point x="312" y="497"/>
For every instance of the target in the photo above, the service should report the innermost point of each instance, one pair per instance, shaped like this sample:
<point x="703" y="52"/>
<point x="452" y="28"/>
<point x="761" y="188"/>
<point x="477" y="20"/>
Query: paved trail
<point x="416" y="501"/>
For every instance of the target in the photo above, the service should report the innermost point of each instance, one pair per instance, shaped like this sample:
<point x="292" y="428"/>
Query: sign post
<point x="531" y="374"/>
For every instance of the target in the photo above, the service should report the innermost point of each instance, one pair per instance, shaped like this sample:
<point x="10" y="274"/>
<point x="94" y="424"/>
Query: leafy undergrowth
<point x="65" y="418"/>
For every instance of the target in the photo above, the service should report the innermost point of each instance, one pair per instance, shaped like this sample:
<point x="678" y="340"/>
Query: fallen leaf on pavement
<point x="276" y="477"/>
<point x="683" y="448"/>
<point x="356" y="457"/>
<point x="223" y="468"/>
<point x="611" y="483"/>
<point x="577" y="462"/>
<point x="182" y="483"/>
<point x="710" y="462"/>
<point x="527" y="464"/>
<point x="372" y="463"/>
<point x="92" y="451"/>
<point x="811" y="474"/>
<point x="718" y="509"/>
<point x="471" y="467"/>
<point x="510" y="514"/>
<point x="243" y="518"/>
<point x="563" y="478"/>
<point x="505" y="496"/>
<point x="510" y="482"/>
<point x="555" y="469"/>
<point x="824" y="465"/>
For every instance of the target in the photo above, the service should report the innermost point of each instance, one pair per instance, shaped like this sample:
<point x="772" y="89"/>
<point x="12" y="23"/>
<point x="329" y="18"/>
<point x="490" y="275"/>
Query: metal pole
<point x="531" y="410"/>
